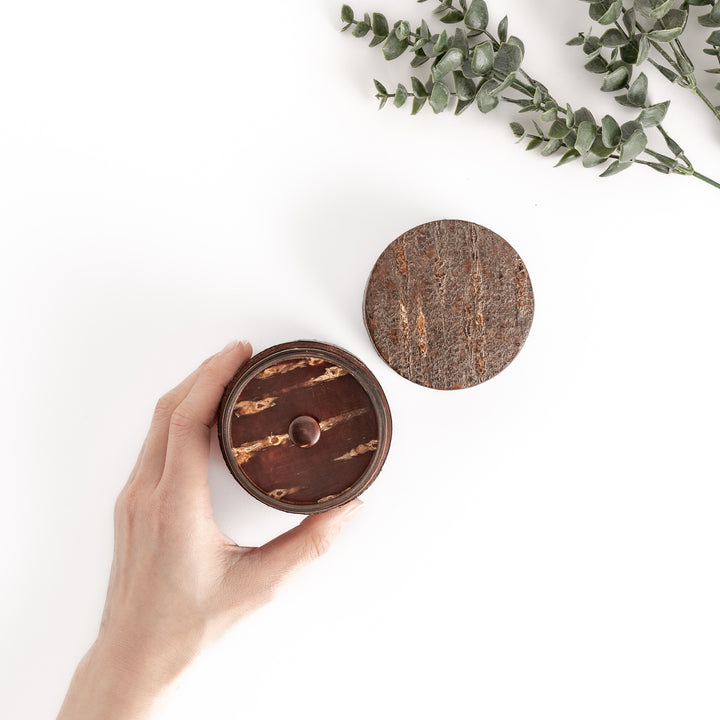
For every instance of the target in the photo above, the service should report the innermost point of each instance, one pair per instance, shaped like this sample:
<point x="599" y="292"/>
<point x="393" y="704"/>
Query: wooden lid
<point x="449" y="304"/>
<point x="304" y="427"/>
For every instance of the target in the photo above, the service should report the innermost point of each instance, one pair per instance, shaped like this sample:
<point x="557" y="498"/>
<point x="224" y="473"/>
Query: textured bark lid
<point x="304" y="427"/>
<point x="449" y="304"/>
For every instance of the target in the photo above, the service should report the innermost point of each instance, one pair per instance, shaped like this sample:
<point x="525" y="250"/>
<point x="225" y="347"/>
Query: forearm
<point x="105" y="688"/>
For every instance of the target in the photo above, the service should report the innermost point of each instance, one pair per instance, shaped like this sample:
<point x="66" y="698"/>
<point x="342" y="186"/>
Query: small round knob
<point x="304" y="431"/>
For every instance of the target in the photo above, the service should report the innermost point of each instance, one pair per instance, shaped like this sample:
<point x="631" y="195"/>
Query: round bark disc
<point x="449" y="304"/>
<point x="304" y="426"/>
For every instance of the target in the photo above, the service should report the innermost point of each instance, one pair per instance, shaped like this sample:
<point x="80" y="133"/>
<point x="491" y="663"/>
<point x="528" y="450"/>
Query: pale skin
<point x="177" y="582"/>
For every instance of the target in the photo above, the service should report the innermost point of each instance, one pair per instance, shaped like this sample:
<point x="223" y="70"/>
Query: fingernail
<point x="230" y="346"/>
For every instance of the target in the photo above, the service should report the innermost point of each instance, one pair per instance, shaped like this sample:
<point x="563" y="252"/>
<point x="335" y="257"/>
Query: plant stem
<point x="715" y="111"/>
<point x="706" y="179"/>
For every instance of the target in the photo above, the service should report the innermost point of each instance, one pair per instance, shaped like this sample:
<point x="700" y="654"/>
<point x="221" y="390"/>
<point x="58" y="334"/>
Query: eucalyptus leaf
<point x="613" y="38"/>
<point x="439" y="97"/>
<point x="615" y="80"/>
<point x="610" y="131"/>
<point x="669" y="27"/>
<point x="518" y="129"/>
<point x="476" y="17"/>
<point x="401" y="95"/>
<point x="463" y="105"/>
<point x="591" y="160"/>
<point x="569" y="116"/>
<point x="418" y="103"/>
<point x="661" y="9"/>
<point x="637" y="93"/>
<point x="533" y="143"/>
<point x="653" y="115"/>
<point x="551" y="148"/>
<point x="558" y="130"/>
<point x="450" y="61"/>
<point x="503" y="29"/>
<point x="380" y="87"/>
<point x="346" y="14"/>
<point x="597" y="65"/>
<point x="635" y="144"/>
<point x="380" y="25"/>
<point x="567" y="157"/>
<point x="508" y="80"/>
<point x="583" y="114"/>
<point x="549" y="115"/>
<point x="361" y="29"/>
<point x="460" y="41"/>
<point x="585" y="136"/>
<point x="464" y="89"/>
<point x="482" y="58"/>
<point x="485" y="101"/>
<point x="615" y="167"/>
<point x="507" y="59"/>
<point x="394" y="47"/>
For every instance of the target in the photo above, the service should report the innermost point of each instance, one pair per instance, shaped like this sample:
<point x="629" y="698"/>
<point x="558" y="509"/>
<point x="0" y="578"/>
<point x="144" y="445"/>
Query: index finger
<point x="188" y="446"/>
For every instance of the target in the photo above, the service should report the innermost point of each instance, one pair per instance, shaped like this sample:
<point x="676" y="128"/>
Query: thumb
<point x="303" y="544"/>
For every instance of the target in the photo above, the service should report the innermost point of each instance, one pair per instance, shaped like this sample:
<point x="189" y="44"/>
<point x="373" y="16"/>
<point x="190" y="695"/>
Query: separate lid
<point x="304" y="426"/>
<point x="448" y="304"/>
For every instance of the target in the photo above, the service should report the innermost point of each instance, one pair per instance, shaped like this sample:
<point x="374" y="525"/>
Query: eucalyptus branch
<point x="479" y="69"/>
<point x="663" y="22"/>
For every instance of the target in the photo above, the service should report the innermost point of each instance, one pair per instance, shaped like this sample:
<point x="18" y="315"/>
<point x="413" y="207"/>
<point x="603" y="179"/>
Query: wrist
<point x="117" y="682"/>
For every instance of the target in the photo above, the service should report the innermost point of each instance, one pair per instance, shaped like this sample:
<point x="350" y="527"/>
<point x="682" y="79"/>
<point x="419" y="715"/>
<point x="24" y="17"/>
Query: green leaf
<point x="476" y="17"/>
<point x="460" y="42"/>
<point x="584" y="114"/>
<point x="401" y="95"/>
<point x="463" y="105"/>
<point x="450" y="61"/>
<point x="361" y="29"/>
<point x="424" y="31"/>
<point x="615" y="80"/>
<point x="346" y="14"/>
<point x="606" y="12"/>
<point x="439" y="97"/>
<point x="597" y="65"/>
<point x="653" y="115"/>
<point x="518" y="129"/>
<point x="464" y="89"/>
<point x="660" y="168"/>
<point x="558" y="130"/>
<point x="549" y="115"/>
<point x="551" y="148"/>
<point x="509" y="80"/>
<point x="394" y="47"/>
<point x="485" y="101"/>
<point x="577" y="40"/>
<point x="441" y="43"/>
<point x="613" y="38"/>
<point x="712" y="19"/>
<point x="503" y="29"/>
<point x="632" y="147"/>
<point x="643" y="50"/>
<point x="512" y="40"/>
<point x="534" y="142"/>
<point x="418" y="102"/>
<point x="383" y="100"/>
<point x="569" y="116"/>
<point x="714" y="38"/>
<point x="419" y="60"/>
<point x="669" y="27"/>
<point x="591" y="160"/>
<point x="483" y="58"/>
<point x="418" y="88"/>
<point x="637" y="94"/>
<point x="452" y="16"/>
<point x="661" y="9"/>
<point x="380" y="25"/>
<point x="507" y="59"/>
<point x="674" y="148"/>
<point x="615" y="167"/>
<point x="610" y="132"/>
<point x="380" y="87"/>
<point x="567" y="157"/>
<point x="585" y="136"/>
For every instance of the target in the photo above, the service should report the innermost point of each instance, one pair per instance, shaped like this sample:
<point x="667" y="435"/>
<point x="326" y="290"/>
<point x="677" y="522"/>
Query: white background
<point x="176" y="174"/>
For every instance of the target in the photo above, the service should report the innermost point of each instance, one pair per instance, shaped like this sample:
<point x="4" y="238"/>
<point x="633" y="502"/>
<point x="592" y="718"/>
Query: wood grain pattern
<point x="317" y="383"/>
<point x="449" y="304"/>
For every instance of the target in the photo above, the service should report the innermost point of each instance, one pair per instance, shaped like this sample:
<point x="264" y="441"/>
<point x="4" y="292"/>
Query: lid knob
<point x="304" y="431"/>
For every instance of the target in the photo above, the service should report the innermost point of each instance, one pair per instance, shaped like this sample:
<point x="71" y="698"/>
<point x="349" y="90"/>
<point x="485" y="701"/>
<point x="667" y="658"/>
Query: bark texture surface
<point x="449" y="304"/>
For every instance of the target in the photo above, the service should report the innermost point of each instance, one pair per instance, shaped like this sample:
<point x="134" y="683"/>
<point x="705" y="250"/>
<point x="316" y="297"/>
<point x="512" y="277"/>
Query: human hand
<point x="176" y="580"/>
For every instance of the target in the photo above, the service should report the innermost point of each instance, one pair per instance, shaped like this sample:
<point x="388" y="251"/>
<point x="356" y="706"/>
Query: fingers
<point x="151" y="461"/>
<point x="188" y="434"/>
<point x="296" y="548"/>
